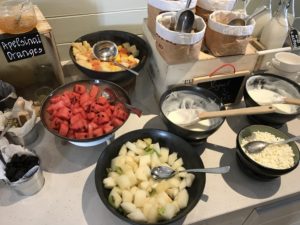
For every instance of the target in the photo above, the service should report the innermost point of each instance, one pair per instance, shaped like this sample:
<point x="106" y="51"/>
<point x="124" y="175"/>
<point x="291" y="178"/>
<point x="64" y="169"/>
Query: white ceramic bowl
<point x="287" y="61"/>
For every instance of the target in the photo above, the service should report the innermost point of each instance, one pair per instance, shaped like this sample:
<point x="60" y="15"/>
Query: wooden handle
<point x="238" y="112"/>
<point x="293" y="101"/>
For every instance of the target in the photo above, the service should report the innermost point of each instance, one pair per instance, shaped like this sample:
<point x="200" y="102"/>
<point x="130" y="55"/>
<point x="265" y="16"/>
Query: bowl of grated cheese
<point x="271" y="162"/>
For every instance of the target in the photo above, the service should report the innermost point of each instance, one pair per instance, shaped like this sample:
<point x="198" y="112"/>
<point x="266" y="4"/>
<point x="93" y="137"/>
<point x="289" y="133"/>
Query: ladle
<point x="193" y="116"/>
<point x="245" y="21"/>
<point x="165" y="172"/>
<point x="112" y="96"/>
<point x="185" y="19"/>
<point x="185" y="22"/>
<point x="257" y="146"/>
<point x="107" y="51"/>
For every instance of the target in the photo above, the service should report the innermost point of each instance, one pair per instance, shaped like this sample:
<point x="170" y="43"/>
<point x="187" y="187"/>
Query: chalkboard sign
<point x="22" y="46"/>
<point x="229" y="90"/>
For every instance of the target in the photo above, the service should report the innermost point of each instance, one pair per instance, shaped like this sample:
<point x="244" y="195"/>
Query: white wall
<point x="71" y="19"/>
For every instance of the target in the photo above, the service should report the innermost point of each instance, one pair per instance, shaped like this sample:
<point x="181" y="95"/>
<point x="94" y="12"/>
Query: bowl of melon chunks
<point x="132" y="53"/>
<point x="82" y="112"/>
<point x="125" y="185"/>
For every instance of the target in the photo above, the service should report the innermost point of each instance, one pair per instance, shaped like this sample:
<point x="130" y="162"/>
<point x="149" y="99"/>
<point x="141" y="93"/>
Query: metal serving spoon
<point x="257" y="146"/>
<point x="112" y="96"/>
<point x="185" y="19"/>
<point x="165" y="172"/>
<point x="107" y="51"/>
<point x="245" y="21"/>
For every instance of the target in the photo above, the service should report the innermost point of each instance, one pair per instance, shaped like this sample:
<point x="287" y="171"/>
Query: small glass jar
<point x="17" y="16"/>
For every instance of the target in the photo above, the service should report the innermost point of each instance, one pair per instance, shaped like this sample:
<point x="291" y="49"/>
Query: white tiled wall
<point x="71" y="19"/>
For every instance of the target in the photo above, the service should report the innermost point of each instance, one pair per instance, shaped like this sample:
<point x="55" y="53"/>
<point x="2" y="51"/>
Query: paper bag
<point x="225" y="40"/>
<point x="176" y="47"/>
<point x="156" y="7"/>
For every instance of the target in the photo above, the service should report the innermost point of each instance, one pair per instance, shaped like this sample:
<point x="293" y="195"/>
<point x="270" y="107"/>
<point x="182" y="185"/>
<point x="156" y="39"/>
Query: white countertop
<point x="69" y="195"/>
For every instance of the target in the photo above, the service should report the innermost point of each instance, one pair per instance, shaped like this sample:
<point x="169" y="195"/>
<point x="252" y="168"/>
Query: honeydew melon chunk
<point x="178" y="163"/>
<point x="164" y="154"/>
<point x="155" y="161"/>
<point x="162" y="186"/>
<point x="133" y="189"/>
<point x="118" y="162"/>
<point x="156" y="148"/>
<point x="137" y="215"/>
<point x="109" y="183"/>
<point x="123" y="150"/>
<point x="142" y="173"/>
<point x="182" y="184"/>
<point x="182" y="198"/>
<point x="163" y="198"/>
<point x="131" y="162"/>
<point x="140" y="197"/>
<point x="150" y="211"/>
<point x="189" y="179"/>
<point x="126" y="168"/>
<point x="172" y="192"/>
<point x="114" y="199"/>
<point x="174" y="182"/>
<point x="148" y="141"/>
<point x="145" y="160"/>
<point x="172" y="158"/>
<point x="127" y="196"/>
<point x="141" y="144"/>
<point x="131" y="146"/>
<point x="168" y="211"/>
<point x="132" y="178"/>
<point x="144" y="185"/>
<point x="128" y="207"/>
<point x="123" y="181"/>
<point x="181" y="174"/>
<point x="113" y="175"/>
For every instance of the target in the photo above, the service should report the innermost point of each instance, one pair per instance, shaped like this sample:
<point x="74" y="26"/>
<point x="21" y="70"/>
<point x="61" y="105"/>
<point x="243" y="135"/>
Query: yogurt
<point x="183" y="108"/>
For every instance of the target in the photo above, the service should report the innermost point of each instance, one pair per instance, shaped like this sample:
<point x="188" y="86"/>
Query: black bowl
<point x="255" y="169"/>
<point x="119" y="37"/>
<point x="45" y="117"/>
<point x="176" y="144"/>
<point x="194" y="137"/>
<point x="271" y="119"/>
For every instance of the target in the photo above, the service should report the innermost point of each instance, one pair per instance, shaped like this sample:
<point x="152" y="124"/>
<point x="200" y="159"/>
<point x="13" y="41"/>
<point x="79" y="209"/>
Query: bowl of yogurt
<point x="270" y="89"/>
<point x="179" y="105"/>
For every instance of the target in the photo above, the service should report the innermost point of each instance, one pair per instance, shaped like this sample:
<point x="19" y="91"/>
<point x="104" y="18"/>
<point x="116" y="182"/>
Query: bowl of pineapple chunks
<point x="132" y="53"/>
<point x="125" y="185"/>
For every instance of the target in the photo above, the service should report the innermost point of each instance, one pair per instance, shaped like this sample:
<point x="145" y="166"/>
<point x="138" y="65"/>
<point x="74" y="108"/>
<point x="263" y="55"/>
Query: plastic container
<point x="17" y="16"/>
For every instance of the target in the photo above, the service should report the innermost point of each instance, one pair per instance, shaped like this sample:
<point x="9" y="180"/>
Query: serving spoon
<point x="185" y="19"/>
<point x="257" y="146"/>
<point x="111" y="95"/>
<point x="107" y="51"/>
<point x="245" y="21"/>
<point x="165" y="172"/>
<point x="192" y="116"/>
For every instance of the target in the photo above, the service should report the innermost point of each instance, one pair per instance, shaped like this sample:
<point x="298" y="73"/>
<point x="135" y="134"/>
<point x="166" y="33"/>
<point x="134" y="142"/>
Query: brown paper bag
<point x="225" y="45"/>
<point x="175" y="53"/>
<point x="203" y="13"/>
<point x="152" y="13"/>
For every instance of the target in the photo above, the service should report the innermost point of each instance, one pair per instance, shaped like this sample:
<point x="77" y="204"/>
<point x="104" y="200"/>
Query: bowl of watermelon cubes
<point x="82" y="113"/>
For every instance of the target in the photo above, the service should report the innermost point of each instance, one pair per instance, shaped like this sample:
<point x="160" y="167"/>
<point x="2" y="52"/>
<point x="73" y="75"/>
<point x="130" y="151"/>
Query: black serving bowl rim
<point x="197" y="91"/>
<point x="107" y="74"/>
<point x="143" y="133"/>
<point x="64" y="86"/>
<point x="293" y="145"/>
<point x="278" y="77"/>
